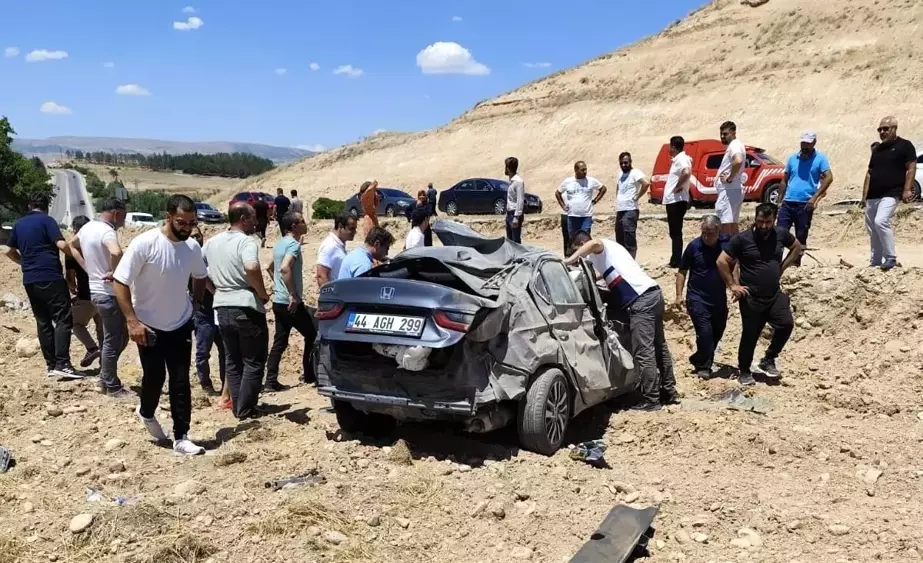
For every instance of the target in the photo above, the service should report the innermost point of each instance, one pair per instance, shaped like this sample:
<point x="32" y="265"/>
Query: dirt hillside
<point x="836" y="66"/>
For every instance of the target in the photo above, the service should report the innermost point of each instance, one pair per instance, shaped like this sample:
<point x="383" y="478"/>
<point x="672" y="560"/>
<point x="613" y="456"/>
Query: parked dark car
<point x="394" y="203"/>
<point x="428" y="336"/>
<point x="206" y="213"/>
<point x="251" y="197"/>
<point x="482" y="195"/>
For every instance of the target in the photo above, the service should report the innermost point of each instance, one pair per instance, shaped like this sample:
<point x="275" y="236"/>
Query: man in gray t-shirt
<point x="240" y="299"/>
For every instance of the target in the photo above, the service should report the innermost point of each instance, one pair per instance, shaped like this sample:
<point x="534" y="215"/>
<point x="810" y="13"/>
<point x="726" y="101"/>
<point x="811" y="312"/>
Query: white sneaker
<point x="153" y="427"/>
<point x="184" y="446"/>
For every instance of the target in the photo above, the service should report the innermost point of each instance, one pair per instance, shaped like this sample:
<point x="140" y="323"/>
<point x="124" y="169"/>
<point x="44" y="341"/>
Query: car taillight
<point x="460" y="322"/>
<point x="327" y="310"/>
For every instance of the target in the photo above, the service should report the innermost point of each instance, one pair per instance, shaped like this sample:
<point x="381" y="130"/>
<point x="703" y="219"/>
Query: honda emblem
<point x="387" y="293"/>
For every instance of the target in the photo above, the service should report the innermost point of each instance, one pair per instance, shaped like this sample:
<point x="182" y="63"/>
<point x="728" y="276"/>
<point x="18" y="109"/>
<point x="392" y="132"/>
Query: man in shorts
<point x="729" y="180"/>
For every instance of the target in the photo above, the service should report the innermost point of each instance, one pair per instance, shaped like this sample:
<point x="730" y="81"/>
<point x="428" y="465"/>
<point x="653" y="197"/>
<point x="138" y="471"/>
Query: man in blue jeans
<point x="805" y="183"/>
<point x="577" y="195"/>
<point x="206" y="332"/>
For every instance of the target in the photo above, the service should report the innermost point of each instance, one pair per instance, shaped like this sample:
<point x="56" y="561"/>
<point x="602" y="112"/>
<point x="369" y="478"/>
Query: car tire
<point x="354" y="212"/>
<point x="451" y="208"/>
<point x="549" y="392"/>
<point x="389" y="211"/>
<point x="500" y="207"/>
<point x="351" y="420"/>
<point x="771" y="194"/>
<point x="916" y="193"/>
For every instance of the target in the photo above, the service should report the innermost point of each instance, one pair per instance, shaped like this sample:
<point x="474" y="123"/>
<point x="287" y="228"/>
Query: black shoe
<point x="703" y="374"/>
<point x="746" y="379"/>
<point x="769" y="369"/>
<point x="274" y="387"/>
<point x="209" y="389"/>
<point x="670" y="398"/>
<point x="647" y="406"/>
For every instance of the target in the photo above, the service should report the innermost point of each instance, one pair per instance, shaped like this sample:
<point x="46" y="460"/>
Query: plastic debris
<point x="310" y="478"/>
<point x="591" y="452"/>
<point x="6" y="458"/>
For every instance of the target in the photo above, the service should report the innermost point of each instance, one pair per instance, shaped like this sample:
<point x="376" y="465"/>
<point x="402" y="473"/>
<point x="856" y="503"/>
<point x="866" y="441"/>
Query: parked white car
<point x="140" y="220"/>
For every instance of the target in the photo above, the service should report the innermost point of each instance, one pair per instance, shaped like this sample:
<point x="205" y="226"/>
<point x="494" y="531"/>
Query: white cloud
<point x="312" y="148"/>
<point x="45" y="55"/>
<point x="281" y="71"/>
<point x="446" y="57"/>
<point x="188" y="25"/>
<point x="132" y="90"/>
<point x="536" y="65"/>
<point x="314" y="66"/>
<point x="456" y="18"/>
<point x="11" y="52"/>
<point x="55" y="109"/>
<point x="188" y="10"/>
<point x="349" y="71"/>
<point x="108" y="64"/>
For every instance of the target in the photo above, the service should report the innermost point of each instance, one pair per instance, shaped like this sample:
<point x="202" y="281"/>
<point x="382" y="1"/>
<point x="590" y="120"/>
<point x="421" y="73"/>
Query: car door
<point x="574" y="327"/>
<point x="750" y="173"/>
<point x="464" y="196"/>
<point x="482" y="197"/>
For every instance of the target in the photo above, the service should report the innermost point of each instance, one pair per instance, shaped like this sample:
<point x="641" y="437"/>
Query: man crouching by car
<point x="633" y="290"/>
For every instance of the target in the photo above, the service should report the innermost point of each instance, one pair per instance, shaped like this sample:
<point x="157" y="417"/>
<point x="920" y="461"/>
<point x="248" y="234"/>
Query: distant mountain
<point x="53" y="147"/>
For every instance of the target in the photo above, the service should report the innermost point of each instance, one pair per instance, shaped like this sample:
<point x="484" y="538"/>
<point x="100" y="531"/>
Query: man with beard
<point x="804" y="184"/>
<point x="98" y="246"/>
<point x="333" y="249"/>
<point x="706" y="300"/>
<point x="633" y="184"/>
<point x="240" y="303"/>
<point x="577" y="195"/>
<point x="889" y="180"/>
<point x="151" y="289"/>
<point x="362" y="259"/>
<point x="287" y="273"/>
<point x="758" y="251"/>
<point x="729" y="180"/>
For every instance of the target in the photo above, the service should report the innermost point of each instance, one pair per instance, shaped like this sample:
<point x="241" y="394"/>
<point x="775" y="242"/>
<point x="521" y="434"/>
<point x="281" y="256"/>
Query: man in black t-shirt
<point x="262" y="218"/>
<point x="758" y="251"/>
<point x="282" y="206"/>
<point x="889" y="180"/>
<point x="82" y="307"/>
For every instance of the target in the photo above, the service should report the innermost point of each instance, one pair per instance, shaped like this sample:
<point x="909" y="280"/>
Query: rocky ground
<point x="827" y="471"/>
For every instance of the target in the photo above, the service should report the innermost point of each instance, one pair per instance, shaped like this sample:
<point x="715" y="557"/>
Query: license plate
<point x="385" y="324"/>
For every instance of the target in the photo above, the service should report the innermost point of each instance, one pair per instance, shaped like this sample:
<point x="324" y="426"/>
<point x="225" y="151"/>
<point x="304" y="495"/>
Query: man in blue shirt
<point x="34" y="244"/>
<point x="377" y="245"/>
<point x="807" y="178"/>
<point x="706" y="299"/>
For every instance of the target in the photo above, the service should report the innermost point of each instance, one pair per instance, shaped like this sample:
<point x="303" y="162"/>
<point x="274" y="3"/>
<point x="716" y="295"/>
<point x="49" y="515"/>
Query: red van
<point x="762" y="174"/>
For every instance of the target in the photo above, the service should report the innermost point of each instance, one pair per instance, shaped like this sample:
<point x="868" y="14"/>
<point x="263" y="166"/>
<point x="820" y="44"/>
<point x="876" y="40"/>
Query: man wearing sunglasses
<point x="888" y="181"/>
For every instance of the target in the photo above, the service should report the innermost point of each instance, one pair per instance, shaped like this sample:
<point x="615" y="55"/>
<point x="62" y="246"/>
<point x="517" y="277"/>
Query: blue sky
<point x="231" y="70"/>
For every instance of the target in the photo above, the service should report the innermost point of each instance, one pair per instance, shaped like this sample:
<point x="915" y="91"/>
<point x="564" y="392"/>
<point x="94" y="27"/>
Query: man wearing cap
<point x="805" y="183"/>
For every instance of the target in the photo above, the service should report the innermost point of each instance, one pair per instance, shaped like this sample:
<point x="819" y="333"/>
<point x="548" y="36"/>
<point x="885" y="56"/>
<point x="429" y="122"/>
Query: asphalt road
<point x="72" y="198"/>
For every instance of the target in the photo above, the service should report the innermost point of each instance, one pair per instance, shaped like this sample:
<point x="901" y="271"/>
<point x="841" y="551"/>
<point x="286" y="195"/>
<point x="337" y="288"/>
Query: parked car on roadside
<point x="251" y="197"/>
<point x="207" y="213"/>
<point x="482" y="195"/>
<point x="427" y="336"/>
<point x="136" y="220"/>
<point x="762" y="174"/>
<point x="394" y="203"/>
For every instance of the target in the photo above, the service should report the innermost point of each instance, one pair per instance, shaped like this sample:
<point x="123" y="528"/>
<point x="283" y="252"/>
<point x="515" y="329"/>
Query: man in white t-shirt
<point x="632" y="290"/>
<point x="98" y="246"/>
<point x="151" y="287"/>
<point x="633" y="184"/>
<point x="676" y="197"/>
<point x="333" y="249"/>
<point x="729" y="180"/>
<point x="577" y="195"/>
<point x="417" y="235"/>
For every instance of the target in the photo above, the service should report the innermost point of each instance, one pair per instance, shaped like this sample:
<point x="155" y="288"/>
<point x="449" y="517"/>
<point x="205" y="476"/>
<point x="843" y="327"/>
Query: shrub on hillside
<point x="148" y="201"/>
<point x="326" y="208"/>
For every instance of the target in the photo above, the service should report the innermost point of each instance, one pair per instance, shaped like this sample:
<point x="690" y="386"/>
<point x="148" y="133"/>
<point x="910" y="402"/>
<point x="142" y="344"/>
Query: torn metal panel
<point x="624" y="530"/>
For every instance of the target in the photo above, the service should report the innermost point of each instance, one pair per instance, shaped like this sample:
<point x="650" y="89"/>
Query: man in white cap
<point x="805" y="183"/>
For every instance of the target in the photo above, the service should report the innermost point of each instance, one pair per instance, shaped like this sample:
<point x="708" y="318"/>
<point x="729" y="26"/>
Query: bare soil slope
<point x="835" y="66"/>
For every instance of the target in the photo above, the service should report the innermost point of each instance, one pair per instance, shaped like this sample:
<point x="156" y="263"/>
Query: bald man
<point x="888" y="181"/>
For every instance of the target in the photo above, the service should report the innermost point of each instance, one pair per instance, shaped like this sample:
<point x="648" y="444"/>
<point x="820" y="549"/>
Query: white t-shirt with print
<point x="629" y="184"/>
<point x="93" y="238"/>
<point x="415" y="238"/>
<point x="578" y="195"/>
<point x="623" y="276"/>
<point x="735" y="148"/>
<point x="158" y="270"/>
<point x="679" y="163"/>
<point x="330" y="255"/>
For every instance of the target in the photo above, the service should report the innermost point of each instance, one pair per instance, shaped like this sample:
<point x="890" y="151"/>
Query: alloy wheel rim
<point x="556" y="411"/>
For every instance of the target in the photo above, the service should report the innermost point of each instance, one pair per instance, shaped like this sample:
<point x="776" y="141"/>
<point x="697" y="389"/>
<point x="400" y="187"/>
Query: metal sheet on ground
<point x="617" y="537"/>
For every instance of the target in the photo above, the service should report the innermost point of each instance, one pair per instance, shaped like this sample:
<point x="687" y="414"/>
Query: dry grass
<point x="11" y="550"/>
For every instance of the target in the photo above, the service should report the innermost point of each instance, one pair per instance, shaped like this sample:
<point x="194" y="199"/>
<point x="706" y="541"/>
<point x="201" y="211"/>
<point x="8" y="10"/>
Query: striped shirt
<point x="624" y="277"/>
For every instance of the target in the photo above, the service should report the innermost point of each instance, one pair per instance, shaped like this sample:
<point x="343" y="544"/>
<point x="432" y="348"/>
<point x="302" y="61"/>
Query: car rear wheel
<point x="500" y="206"/>
<point x="916" y="192"/>
<point x="451" y="208"/>
<point x="354" y="212"/>
<point x="389" y="211"/>
<point x="352" y="420"/>
<point x="771" y="194"/>
<point x="545" y="413"/>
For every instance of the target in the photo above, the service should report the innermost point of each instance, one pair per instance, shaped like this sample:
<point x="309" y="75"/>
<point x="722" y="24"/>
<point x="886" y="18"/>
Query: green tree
<point x="20" y="177"/>
<point x="149" y="201"/>
<point x="114" y="173"/>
